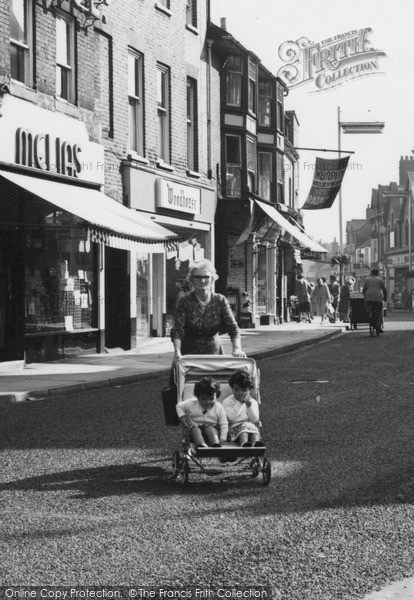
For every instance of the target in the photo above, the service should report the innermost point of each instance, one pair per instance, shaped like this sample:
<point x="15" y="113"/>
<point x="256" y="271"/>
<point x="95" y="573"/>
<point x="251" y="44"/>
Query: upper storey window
<point x="192" y="13"/>
<point x="21" y="41"/>
<point x="265" y="102"/>
<point x="163" y="102"/>
<point x="65" y="58"/>
<point x="280" y="108"/>
<point x="252" y="87"/>
<point x="234" y="78"/>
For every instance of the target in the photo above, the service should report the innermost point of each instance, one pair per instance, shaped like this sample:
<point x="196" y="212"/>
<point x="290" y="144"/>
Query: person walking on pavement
<point x="321" y="297"/>
<point x="344" y="305"/>
<point x="375" y="294"/>
<point x="302" y="291"/>
<point x="334" y="290"/>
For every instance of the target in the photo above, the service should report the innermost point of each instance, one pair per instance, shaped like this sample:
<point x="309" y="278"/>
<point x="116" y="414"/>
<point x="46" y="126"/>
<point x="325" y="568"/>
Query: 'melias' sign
<point x="43" y="151"/>
<point x="331" y="62"/>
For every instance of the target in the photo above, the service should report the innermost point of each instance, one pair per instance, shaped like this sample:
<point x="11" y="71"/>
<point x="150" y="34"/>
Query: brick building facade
<point x="110" y="147"/>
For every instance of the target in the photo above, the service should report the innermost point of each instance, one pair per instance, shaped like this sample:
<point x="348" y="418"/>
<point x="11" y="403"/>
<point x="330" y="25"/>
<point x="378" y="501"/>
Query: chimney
<point x="223" y="24"/>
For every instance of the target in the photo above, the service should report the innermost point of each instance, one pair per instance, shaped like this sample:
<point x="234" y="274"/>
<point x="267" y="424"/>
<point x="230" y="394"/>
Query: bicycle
<point x="375" y="318"/>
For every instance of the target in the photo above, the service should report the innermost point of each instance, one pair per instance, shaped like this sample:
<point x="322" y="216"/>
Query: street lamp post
<point x="351" y="127"/>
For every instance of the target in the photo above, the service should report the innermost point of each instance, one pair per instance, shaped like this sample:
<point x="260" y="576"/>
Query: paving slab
<point x="401" y="590"/>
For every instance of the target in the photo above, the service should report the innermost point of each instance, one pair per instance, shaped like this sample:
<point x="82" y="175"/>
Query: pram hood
<point x="192" y="367"/>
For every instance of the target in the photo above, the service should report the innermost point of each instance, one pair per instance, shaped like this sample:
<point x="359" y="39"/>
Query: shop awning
<point x="304" y="240"/>
<point x="108" y="221"/>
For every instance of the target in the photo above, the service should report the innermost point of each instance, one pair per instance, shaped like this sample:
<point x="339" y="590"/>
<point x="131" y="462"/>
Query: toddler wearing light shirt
<point x="242" y="410"/>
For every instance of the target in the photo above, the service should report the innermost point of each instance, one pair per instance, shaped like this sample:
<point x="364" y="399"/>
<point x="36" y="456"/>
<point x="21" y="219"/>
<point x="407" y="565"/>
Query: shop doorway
<point x="11" y="297"/>
<point x="117" y="299"/>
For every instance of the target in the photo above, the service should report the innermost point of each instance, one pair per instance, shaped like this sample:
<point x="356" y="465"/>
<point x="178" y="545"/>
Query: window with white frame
<point x="21" y="41"/>
<point x="136" y="101"/>
<point x="192" y="137"/>
<point x="251" y="153"/>
<point x="165" y="3"/>
<point x="252" y="87"/>
<point x="265" y="175"/>
<point x="233" y="165"/>
<point x="191" y="17"/>
<point x="163" y="101"/>
<point x="234" y="78"/>
<point x="280" y="109"/>
<point x="65" y="57"/>
<point x="280" y="194"/>
<point x="265" y="102"/>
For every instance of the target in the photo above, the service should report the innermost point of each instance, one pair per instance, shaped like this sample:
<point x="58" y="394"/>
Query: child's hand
<point x="223" y="441"/>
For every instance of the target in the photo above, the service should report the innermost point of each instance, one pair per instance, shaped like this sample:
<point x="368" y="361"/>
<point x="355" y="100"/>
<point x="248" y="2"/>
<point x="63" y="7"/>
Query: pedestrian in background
<point x="345" y="299"/>
<point x="334" y="290"/>
<point x="321" y="297"/>
<point x="375" y="294"/>
<point x="302" y="291"/>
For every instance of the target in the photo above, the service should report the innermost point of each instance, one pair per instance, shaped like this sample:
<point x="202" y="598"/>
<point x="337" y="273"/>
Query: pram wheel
<point x="255" y="466"/>
<point x="184" y="471"/>
<point x="266" y="471"/>
<point x="175" y="464"/>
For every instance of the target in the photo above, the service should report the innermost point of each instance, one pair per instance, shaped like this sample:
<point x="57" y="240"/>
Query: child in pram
<point x="203" y="415"/>
<point x="242" y="410"/>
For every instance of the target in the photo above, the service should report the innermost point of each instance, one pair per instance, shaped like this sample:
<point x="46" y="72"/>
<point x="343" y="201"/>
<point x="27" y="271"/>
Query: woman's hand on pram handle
<point x="238" y="352"/>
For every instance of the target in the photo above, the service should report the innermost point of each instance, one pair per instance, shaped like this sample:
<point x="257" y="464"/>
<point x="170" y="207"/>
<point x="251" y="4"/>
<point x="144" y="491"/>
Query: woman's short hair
<point x="375" y="272"/>
<point x="206" y="386"/>
<point x="242" y="378"/>
<point x="202" y="264"/>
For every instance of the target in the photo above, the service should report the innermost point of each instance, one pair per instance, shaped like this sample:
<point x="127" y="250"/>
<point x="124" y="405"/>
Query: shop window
<point x="265" y="175"/>
<point x="59" y="275"/>
<point x="163" y="100"/>
<point x="263" y="301"/>
<point x="65" y="57"/>
<point x="233" y="165"/>
<point x="265" y="102"/>
<point x="234" y="77"/>
<point x="191" y="249"/>
<point x="192" y="137"/>
<point x="251" y="164"/>
<point x="252" y="87"/>
<point x="192" y="13"/>
<point x="136" y="102"/>
<point x="21" y="41"/>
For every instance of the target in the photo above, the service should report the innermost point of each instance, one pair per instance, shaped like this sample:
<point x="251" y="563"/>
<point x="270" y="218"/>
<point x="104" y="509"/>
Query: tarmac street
<point x="86" y="497"/>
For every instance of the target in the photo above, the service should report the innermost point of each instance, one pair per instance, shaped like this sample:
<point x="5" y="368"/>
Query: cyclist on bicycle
<point x="375" y="294"/>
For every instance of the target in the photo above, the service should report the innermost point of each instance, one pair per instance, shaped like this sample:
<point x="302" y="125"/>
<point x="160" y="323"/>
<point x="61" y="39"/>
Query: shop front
<point x="275" y="245"/>
<point x="62" y="290"/>
<point x="398" y="281"/>
<point x="188" y="211"/>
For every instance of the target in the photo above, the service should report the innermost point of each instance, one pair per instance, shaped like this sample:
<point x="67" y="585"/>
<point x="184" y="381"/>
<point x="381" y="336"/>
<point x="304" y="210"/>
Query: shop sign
<point x="310" y="255"/>
<point x="42" y="151"/>
<point x="50" y="141"/>
<point x="178" y="197"/>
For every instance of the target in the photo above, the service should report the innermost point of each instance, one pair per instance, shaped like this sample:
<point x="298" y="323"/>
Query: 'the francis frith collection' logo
<point x="331" y="62"/>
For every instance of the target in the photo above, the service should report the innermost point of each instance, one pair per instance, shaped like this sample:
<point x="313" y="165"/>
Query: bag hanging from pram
<point x="169" y="402"/>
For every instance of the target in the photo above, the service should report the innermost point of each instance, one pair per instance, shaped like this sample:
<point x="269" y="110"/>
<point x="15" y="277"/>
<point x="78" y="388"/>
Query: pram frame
<point x="232" y="458"/>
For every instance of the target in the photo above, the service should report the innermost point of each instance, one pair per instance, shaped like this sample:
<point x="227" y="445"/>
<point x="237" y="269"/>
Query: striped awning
<point x="108" y="221"/>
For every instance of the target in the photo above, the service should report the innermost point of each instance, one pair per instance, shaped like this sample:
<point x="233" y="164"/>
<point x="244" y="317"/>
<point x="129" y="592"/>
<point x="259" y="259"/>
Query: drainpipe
<point x="209" y="171"/>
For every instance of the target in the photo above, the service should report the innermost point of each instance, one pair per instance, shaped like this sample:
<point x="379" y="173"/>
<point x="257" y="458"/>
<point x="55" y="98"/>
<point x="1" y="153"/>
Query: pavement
<point x="152" y="360"/>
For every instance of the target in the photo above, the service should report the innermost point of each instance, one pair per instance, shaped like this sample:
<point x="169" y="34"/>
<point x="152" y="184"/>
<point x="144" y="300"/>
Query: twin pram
<point x="230" y="460"/>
